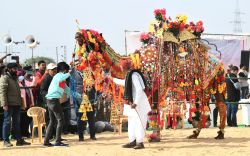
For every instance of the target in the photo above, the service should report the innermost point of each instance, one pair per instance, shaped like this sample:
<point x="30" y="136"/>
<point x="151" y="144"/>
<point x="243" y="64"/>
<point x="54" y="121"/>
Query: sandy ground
<point x="174" y="142"/>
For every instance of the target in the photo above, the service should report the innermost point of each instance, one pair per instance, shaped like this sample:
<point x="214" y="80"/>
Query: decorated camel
<point x="177" y="64"/>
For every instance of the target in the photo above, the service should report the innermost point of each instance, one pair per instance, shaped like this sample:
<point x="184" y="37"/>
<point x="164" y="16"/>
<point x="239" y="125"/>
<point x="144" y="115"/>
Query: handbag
<point x="237" y="85"/>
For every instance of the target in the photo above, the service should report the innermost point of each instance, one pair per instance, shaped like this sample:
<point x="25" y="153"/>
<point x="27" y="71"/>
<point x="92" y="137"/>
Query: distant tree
<point x="37" y="59"/>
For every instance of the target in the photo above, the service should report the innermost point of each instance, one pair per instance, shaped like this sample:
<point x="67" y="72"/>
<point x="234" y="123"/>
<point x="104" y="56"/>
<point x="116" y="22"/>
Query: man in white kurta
<point x="136" y="111"/>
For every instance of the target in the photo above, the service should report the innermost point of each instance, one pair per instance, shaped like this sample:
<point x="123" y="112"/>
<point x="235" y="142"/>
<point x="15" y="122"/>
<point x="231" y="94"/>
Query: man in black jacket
<point x="52" y="70"/>
<point x="233" y="95"/>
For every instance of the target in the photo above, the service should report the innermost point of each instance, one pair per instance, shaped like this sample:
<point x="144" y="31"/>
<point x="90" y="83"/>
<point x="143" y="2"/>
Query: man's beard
<point x="42" y="71"/>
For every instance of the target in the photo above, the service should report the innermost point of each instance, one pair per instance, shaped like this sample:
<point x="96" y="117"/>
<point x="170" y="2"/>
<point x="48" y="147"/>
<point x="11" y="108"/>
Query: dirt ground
<point x="173" y="142"/>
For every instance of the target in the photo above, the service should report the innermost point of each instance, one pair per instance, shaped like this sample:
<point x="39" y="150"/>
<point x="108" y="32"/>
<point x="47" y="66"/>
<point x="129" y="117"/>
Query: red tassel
<point x="158" y="117"/>
<point x="168" y="118"/>
<point x="174" y="121"/>
<point x="162" y="122"/>
<point x="204" y="120"/>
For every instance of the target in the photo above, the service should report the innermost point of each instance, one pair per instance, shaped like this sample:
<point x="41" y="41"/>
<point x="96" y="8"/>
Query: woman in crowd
<point x="26" y="83"/>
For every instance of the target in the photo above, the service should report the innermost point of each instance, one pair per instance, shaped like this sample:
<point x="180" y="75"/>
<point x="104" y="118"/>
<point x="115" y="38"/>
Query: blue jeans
<point x="14" y="114"/>
<point x="231" y="114"/>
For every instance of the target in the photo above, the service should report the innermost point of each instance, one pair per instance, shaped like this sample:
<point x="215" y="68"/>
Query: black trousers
<point x="91" y="122"/>
<point x="47" y="116"/>
<point x="25" y="122"/>
<point x="55" y="114"/>
<point x="47" y="122"/>
<point x="215" y="116"/>
<point x="66" y="112"/>
<point x="81" y="125"/>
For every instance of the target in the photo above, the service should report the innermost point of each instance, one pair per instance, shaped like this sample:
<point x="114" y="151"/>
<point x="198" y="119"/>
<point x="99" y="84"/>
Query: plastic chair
<point x="38" y="116"/>
<point x="121" y="119"/>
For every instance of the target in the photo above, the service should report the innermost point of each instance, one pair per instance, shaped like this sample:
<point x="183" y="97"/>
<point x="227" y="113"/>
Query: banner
<point x="229" y="45"/>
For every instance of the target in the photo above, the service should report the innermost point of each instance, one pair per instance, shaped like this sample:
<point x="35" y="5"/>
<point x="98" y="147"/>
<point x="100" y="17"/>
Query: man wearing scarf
<point x="137" y="105"/>
<point x="10" y="97"/>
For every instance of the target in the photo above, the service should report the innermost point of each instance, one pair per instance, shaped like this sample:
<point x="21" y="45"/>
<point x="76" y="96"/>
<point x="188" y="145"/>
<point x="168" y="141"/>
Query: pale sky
<point x="52" y="22"/>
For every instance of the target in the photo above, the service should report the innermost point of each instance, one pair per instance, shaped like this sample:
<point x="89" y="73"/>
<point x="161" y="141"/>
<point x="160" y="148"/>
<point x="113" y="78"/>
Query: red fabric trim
<point x="62" y="84"/>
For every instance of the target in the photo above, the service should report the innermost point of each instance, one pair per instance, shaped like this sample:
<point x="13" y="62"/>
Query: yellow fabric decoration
<point x="85" y="107"/>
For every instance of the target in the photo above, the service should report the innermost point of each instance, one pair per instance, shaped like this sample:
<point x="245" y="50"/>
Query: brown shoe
<point x="139" y="146"/>
<point x="130" y="145"/>
<point x="194" y="135"/>
<point x="220" y="135"/>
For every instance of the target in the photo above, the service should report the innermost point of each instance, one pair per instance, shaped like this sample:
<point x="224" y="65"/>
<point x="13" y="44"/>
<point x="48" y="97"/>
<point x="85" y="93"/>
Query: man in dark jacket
<point x="52" y="70"/>
<point x="233" y="95"/>
<point x="76" y="85"/>
<point x="10" y="97"/>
